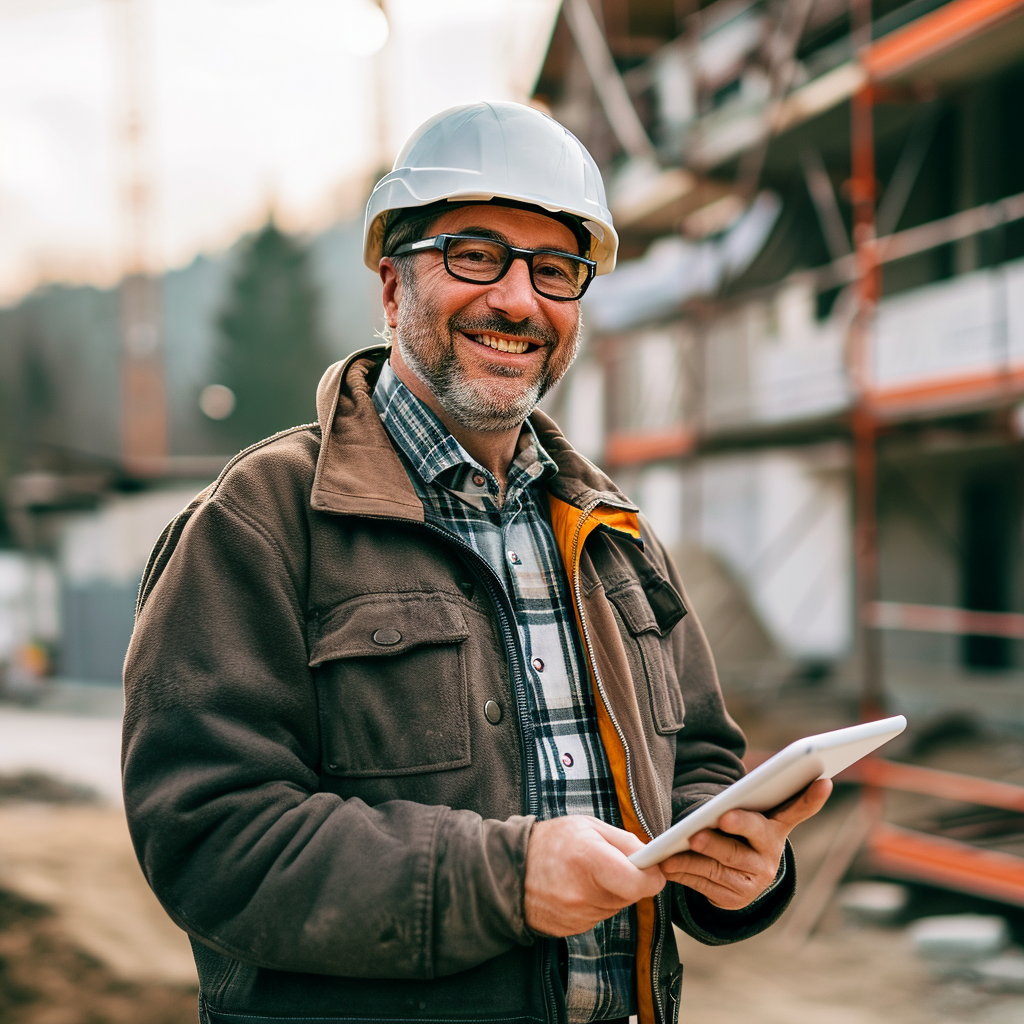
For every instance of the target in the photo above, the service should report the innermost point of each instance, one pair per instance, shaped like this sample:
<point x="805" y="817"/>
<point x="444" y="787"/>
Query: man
<point x="407" y="686"/>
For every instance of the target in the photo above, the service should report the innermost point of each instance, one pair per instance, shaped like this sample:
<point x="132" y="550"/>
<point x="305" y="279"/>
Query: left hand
<point x="733" y="864"/>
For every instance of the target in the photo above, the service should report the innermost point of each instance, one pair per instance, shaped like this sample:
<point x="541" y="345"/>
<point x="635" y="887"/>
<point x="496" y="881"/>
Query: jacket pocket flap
<point x="654" y="609"/>
<point x="635" y="610"/>
<point x="384" y="625"/>
<point x="665" y="602"/>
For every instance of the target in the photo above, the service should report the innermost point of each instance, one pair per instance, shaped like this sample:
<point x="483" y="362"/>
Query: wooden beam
<point x="926" y="618"/>
<point x="917" y="857"/>
<point x="933" y="34"/>
<point x="630" y="449"/>
<point x="912" y="778"/>
<point x="947" y="393"/>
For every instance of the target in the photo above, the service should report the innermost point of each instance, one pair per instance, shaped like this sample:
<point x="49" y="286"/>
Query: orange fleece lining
<point x="564" y="520"/>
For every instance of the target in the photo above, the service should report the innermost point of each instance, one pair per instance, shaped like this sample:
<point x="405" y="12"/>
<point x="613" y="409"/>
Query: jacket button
<point x="492" y="711"/>
<point x="386" y="637"/>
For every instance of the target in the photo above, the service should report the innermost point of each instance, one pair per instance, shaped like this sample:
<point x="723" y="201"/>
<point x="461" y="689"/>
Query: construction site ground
<point x="83" y="941"/>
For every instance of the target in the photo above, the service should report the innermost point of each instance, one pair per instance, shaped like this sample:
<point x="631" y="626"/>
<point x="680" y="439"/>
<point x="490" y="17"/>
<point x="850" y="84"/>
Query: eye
<point x="551" y="270"/>
<point x="476" y="259"/>
<point x="476" y="250"/>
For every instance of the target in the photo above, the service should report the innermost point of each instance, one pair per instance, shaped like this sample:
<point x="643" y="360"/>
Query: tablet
<point x="772" y="783"/>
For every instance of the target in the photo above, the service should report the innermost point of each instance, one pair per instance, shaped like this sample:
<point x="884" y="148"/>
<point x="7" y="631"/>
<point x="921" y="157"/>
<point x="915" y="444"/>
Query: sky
<point x="249" y="105"/>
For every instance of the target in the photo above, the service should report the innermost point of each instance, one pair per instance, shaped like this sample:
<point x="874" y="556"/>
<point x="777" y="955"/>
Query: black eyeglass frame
<point x="442" y="242"/>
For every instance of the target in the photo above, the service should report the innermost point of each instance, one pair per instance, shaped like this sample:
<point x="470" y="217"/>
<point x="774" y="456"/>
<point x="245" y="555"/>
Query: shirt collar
<point x="438" y="457"/>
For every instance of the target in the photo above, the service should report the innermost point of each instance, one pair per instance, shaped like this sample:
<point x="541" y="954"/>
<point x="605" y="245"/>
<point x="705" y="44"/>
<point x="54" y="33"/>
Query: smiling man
<point x="407" y="686"/>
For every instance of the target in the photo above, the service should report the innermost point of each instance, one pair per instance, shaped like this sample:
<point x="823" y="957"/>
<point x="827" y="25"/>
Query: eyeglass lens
<point x="484" y="260"/>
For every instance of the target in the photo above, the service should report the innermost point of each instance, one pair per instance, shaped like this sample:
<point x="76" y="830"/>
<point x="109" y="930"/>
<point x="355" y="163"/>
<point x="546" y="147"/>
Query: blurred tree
<point x="270" y="354"/>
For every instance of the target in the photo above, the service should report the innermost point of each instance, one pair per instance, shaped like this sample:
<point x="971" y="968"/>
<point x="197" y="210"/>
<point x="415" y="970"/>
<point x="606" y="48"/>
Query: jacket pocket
<point x="649" y="613"/>
<point x="391" y="682"/>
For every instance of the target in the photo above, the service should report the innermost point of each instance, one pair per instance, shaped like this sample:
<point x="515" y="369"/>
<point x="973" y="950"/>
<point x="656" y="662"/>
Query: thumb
<point x="623" y="841"/>
<point x="638" y="882"/>
<point x="804" y="805"/>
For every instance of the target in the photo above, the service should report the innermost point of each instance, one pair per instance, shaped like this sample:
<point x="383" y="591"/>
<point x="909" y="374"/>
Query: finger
<point x="748" y="828"/>
<point x="695" y="865"/>
<point x="804" y="805"/>
<point x="720" y="895"/>
<point x="730" y="851"/>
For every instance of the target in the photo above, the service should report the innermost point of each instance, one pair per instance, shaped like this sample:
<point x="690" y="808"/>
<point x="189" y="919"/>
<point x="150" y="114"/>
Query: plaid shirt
<point x="515" y="539"/>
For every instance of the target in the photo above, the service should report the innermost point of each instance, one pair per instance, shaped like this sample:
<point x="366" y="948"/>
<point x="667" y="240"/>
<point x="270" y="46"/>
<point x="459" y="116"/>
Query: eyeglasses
<point x="555" y="275"/>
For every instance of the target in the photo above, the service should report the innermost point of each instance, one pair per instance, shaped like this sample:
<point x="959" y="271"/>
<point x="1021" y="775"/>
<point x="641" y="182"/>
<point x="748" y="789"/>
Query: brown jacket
<point x="313" y="789"/>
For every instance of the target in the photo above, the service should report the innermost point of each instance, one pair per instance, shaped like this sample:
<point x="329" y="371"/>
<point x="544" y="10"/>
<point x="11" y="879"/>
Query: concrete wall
<point x="29" y="607"/>
<point x="101" y="557"/>
<point x="780" y="522"/>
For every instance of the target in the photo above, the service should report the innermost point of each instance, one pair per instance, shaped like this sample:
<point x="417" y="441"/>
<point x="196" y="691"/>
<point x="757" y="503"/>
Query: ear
<point x="392" y="291"/>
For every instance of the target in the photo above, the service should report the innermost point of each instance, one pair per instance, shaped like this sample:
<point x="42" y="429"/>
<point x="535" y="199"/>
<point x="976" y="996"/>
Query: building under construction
<point x="809" y="366"/>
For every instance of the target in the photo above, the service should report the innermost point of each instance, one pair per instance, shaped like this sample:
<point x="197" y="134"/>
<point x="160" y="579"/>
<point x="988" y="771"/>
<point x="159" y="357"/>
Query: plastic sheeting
<point x="674" y="270"/>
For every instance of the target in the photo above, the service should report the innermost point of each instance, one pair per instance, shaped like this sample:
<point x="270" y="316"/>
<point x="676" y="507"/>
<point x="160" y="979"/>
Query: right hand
<point x="577" y="873"/>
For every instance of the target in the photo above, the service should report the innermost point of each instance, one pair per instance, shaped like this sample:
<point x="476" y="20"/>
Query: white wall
<point x="781" y="520"/>
<point x="28" y="602"/>
<point x="582" y="408"/>
<point x="972" y="324"/>
<point x="102" y="555"/>
<point x="659" y="492"/>
<point x="769" y="361"/>
<point x="112" y="544"/>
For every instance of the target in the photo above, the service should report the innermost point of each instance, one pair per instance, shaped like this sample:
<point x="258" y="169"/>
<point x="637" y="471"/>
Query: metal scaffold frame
<point x="900" y="852"/>
<point x="946" y="46"/>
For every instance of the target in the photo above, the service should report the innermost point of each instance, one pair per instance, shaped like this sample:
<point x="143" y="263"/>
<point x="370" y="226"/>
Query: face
<point x="487" y="353"/>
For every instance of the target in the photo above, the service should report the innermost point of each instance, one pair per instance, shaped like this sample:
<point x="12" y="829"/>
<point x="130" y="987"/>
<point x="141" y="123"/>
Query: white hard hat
<point x="486" y="151"/>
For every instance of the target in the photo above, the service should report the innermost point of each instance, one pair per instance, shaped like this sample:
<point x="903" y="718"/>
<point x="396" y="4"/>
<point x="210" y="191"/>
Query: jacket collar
<point x="358" y="471"/>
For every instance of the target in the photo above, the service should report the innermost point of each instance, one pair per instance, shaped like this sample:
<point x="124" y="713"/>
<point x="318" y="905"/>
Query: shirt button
<point x="492" y="712"/>
<point x="386" y="637"/>
<point x="514" y="558"/>
<point x="479" y="479"/>
<point x="538" y="664"/>
<point x="535" y="469"/>
<point x="567" y="759"/>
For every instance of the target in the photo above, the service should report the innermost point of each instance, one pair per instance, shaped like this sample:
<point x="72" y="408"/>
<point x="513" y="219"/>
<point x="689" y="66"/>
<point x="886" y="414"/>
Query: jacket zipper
<point x="511" y="638"/>
<point x="584" y="629"/>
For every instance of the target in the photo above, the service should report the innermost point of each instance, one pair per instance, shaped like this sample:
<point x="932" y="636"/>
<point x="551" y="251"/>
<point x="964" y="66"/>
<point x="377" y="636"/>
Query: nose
<point x="513" y="295"/>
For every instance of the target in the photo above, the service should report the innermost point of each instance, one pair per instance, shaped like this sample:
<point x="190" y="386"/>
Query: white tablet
<point x="772" y="783"/>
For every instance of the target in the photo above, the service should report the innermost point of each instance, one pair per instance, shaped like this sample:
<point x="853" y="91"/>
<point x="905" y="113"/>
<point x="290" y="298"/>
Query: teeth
<point x="515" y="346"/>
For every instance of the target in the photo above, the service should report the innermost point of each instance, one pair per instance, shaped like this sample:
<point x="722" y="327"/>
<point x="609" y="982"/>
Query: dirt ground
<point x="46" y="978"/>
<point x="82" y="939"/>
<point x="844" y="976"/>
<point x="846" y="973"/>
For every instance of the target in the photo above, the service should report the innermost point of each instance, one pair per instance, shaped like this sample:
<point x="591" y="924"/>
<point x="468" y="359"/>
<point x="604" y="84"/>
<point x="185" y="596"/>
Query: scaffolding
<point x="879" y="65"/>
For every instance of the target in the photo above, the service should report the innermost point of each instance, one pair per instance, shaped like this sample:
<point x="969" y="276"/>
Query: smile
<point x="515" y="346"/>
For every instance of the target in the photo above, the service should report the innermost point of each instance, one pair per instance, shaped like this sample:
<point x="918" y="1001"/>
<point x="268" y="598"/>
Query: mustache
<point x="495" y="323"/>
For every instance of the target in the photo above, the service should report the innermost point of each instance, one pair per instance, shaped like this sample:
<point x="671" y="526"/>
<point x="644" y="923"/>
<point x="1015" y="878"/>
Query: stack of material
<point x="973" y="947"/>
<point x="745" y="653"/>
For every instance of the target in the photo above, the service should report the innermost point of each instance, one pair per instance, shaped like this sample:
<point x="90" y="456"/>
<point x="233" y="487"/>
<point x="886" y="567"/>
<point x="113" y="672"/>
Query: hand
<point x="577" y="874"/>
<point x="733" y="869"/>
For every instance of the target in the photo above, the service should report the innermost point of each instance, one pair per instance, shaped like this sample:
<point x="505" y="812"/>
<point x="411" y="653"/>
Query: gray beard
<point x="471" y="404"/>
